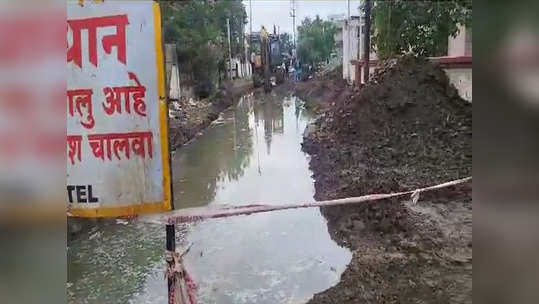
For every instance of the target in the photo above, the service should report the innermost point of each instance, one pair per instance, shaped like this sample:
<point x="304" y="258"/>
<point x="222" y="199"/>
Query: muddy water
<point x="251" y="154"/>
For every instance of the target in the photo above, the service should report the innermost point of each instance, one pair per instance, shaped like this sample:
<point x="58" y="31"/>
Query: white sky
<point x="270" y="12"/>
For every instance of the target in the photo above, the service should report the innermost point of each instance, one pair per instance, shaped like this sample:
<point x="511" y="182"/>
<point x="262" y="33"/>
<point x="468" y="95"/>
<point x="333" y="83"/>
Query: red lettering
<point x="74" y="143"/>
<point x="106" y="144"/>
<point x="74" y="53"/>
<point x="113" y="96"/>
<point x="77" y="99"/>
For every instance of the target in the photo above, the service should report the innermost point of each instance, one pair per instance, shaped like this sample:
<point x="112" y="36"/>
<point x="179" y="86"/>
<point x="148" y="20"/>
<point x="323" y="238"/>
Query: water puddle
<point x="251" y="154"/>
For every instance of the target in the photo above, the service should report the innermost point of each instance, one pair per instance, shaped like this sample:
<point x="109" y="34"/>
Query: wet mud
<point x="406" y="129"/>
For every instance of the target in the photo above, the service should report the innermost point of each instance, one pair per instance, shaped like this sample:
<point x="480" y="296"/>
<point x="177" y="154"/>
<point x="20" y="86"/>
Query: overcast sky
<point x="270" y="12"/>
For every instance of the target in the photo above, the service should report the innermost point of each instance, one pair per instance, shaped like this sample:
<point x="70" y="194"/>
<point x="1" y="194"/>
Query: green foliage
<point x="286" y="43"/>
<point x="315" y="40"/>
<point x="420" y="27"/>
<point x="199" y="30"/>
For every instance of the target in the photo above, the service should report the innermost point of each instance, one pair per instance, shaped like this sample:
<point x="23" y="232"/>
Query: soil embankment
<point x="187" y="117"/>
<point x="407" y="128"/>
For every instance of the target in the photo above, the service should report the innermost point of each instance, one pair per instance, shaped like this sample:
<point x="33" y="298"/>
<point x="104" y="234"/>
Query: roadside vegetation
<point x="417" y="27"/>
<point x="316" y="40"/>
<point x="199" y="30"/>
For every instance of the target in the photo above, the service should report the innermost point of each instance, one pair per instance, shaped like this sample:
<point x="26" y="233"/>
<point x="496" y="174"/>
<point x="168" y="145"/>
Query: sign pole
<point x="171" y="248"/>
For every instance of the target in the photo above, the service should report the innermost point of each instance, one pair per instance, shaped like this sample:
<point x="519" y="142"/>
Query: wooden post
<point x="179" y="291"/>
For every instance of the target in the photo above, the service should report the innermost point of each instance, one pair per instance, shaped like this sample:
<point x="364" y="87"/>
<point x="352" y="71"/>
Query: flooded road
<point x="251" y="154"/>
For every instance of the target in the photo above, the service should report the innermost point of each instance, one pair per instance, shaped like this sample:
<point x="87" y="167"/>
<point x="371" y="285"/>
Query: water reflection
<point x="110" y="263"/>
<point x="221" y="154"/>
<point x="225" y="150"/>
<point x="282" y="257"/>
<point x="252" y="154"/>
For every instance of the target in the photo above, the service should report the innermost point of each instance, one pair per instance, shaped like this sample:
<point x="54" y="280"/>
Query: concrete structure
<point x="239" y="69"/>
<point x="172" y="72"/>
<point x="457" y="64"/>
<point x="461" y="45"/>
<point x="353" y="53"/>
<point x="338" y="21"/>
<point x="350" y="52"/>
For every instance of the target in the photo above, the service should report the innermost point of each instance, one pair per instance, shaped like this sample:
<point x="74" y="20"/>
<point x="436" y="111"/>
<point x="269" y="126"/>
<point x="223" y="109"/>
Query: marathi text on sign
<point x="91" y="25"/>
<point x="117" y="150"/>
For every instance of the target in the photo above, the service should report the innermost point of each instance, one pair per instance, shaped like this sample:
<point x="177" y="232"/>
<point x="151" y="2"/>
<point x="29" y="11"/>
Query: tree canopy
<point x="420" y="27"/>
<point x="199" y="30"/>
<point x="286" y="42"/>
<point x="315" y="40"/>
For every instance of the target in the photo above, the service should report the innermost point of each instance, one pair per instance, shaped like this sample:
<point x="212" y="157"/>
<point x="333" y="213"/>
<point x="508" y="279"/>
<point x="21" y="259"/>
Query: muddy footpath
<point x="407" y="128"/>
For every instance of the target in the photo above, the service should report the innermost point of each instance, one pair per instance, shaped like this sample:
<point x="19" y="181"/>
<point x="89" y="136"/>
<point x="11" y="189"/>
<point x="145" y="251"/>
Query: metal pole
<point x="229" y="49"/>
<point x="367" y="45"/>
<point x="250" y="20"/>
<point x="349" y="57"/>
<point x="250" y="36"/>
<point x="171" y="247"/>
<point x="293" y="15"/>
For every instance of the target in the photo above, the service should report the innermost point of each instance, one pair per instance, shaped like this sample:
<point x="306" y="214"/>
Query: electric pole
<point x="349" y="57"/>
<point x="367" y="45"/>
<point x="250" y="24"/>
<point x="229" y="49"/>
<point x="250" y="36"/>
<point x="293" y="15"/>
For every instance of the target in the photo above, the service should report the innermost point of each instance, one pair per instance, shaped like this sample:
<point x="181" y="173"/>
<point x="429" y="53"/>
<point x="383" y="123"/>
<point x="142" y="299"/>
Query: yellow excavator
<point x="267" y="64"/>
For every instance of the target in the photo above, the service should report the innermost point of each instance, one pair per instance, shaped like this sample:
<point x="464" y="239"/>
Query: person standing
<point x="298" y="70"/>
<point x="286" y="67"/>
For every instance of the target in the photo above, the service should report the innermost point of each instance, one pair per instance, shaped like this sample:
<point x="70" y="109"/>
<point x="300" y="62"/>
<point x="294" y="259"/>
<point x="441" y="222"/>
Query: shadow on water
<point x="251" y="154"/>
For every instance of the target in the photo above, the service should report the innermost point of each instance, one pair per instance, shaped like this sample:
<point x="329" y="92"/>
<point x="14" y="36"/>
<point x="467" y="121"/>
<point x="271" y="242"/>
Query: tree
<point x="420" y="27"/>
<point x="199" y="30"/>
<point x="315" y="40"/>
<point x="287" y="45"/>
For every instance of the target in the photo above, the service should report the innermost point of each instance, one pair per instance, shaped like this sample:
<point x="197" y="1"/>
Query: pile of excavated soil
<point x="321" y="93"/>
<point x="407" y="128"/>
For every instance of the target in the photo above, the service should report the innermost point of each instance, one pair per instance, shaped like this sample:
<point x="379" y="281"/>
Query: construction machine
<point x="267" y="60"/>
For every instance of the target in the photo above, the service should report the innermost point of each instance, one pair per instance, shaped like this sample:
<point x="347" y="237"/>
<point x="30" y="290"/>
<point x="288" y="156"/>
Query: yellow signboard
<point x="117" y="129"/>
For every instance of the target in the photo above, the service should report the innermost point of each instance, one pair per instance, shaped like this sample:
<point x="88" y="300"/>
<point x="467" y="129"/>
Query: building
<point x="338" y="21"/>
<point x="353" y="52"/>
<point x="240" y="69"/>
<point x="350" y="51"/>
<point x="457" y="64"/>
<point x="172" y="72"/>
<point x="461" y="45"/>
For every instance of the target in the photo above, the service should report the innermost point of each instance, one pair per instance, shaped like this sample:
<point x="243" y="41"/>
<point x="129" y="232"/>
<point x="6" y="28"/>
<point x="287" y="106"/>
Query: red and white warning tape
<point x="202" y="213"/>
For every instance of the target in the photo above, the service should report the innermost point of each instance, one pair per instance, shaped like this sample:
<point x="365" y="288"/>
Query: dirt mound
<point x="407" y="128"/>
<point x="321" y="93"/>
